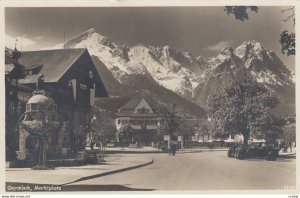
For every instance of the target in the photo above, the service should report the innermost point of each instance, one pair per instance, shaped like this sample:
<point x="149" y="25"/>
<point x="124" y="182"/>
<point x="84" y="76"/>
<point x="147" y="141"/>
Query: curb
<point x="160" y="151"/>
<point x="107" y="173"/>
<point x="132" y="152"/>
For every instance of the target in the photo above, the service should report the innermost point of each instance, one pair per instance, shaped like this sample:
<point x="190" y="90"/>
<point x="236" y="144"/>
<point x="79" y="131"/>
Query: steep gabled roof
<point x="55" y="63"/>
<point x="130" y="106"/>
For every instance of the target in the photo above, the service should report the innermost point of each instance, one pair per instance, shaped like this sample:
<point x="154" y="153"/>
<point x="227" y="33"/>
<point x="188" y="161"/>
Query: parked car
<point x="248" y="152"/>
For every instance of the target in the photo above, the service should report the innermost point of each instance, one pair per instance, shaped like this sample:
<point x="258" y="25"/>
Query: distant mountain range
<point x="193" y="78"/>
<point x="262" y="63"/>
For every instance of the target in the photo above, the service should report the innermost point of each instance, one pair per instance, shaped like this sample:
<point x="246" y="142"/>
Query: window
<point x="83" y="86"/>
<point x="119" y="121"/>
<point x="232" y="136"/>
<point x="34" y="107"/>
<point x="31" y="107"/>
<point x="143" y="110"/>
<point x="28" y="107"/>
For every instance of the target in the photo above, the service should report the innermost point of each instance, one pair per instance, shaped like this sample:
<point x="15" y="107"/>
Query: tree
<point x="186" y="129"/>
<point x="104" y="125"/>
<point x="240" y="12"/>
<point x="126" y="134"/>
<point x="289" y="134"/>
<point x="41" y="124"/>
<point x="288" y="43"/>
<point x="270" y="125"/>
<point x="170" y="121"/>
<point x="204" y="130"/>
<point x="239" y="107"/>
<point x="287" y="39"/>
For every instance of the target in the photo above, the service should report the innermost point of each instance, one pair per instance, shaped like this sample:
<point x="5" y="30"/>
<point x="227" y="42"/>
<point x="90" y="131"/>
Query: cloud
<point x="23" y="42"/>
<point x="57" y="46"/>
<point x="218" y="46"/>
<point x="39" y="37"/>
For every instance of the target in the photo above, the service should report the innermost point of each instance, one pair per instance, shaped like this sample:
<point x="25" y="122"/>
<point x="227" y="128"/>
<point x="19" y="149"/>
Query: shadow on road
<point x="101" y="188"/>
<point x="27" y="187"/>
<point x="263" y="159"/>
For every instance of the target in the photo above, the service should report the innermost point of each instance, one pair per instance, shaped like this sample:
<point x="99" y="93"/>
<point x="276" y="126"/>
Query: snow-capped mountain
<point x="263" y="64"/>
<point x="176" y="70"/>
<point x="195" y="78"/>
<point x="220" y="73"/>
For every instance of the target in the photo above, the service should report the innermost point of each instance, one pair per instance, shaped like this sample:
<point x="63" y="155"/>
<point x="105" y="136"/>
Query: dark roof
<point x="54" y="63"/>
<point x="22" y="87"/>
<point x="139" y="115"/>
<point x="32" y="67"/>
<point x="112" y="85"/>
<point x="129" y="107"/>
<point x="8" y="68"/>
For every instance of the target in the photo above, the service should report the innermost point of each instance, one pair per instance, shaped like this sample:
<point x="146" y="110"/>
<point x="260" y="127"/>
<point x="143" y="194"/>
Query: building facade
<point x="69" y="77"/>
<point x="138" y="121"/>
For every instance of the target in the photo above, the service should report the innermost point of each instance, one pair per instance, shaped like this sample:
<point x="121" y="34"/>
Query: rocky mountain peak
<point x="250" y="49"/>
<point x="263" y="63"/>
<point x="227" y="50"/>
<point x="91" y="31"/>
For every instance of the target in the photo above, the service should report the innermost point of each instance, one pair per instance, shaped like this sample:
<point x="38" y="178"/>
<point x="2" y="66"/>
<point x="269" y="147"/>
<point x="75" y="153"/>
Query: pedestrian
<point x="211" y="147"/>
<point x="173" y="149"/>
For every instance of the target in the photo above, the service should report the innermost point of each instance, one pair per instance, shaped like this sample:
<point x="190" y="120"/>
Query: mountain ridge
<point x="182" y="72"/>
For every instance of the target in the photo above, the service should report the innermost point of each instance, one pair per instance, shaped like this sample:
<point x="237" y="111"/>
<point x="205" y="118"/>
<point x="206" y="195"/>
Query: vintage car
<point x="247" y="152"/>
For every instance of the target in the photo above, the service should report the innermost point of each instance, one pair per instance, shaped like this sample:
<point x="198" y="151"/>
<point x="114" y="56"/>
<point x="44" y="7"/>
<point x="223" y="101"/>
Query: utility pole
<point x="21" y="41"/>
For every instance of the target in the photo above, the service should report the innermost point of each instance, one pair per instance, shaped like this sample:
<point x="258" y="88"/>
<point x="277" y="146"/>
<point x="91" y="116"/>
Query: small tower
<point x="16" y="55"/>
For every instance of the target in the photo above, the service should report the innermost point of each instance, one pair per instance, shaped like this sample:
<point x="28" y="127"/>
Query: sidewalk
<point x="65" y="175"/>
<point x="155" y="150"/>
<point x="132" y="150"/>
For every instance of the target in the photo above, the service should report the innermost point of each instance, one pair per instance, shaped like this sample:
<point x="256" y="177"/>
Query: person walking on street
<point x="173" y="149"/>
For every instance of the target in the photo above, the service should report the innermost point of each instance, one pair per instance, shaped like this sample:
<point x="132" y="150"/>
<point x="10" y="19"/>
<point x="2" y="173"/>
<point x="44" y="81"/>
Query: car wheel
<point x="228" y="154"/>
<point x="236" y="153"/>
<point x="241" y="155"/>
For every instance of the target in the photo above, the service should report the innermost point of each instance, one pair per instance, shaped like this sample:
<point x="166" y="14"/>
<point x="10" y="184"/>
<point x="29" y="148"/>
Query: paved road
<point x="199" y="171"/>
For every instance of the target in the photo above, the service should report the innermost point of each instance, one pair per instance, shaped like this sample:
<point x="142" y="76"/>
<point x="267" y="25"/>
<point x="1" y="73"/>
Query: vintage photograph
<point x="182" y="98"/>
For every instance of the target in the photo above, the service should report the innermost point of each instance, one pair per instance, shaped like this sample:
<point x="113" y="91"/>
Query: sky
<point x="203" y="31"/>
